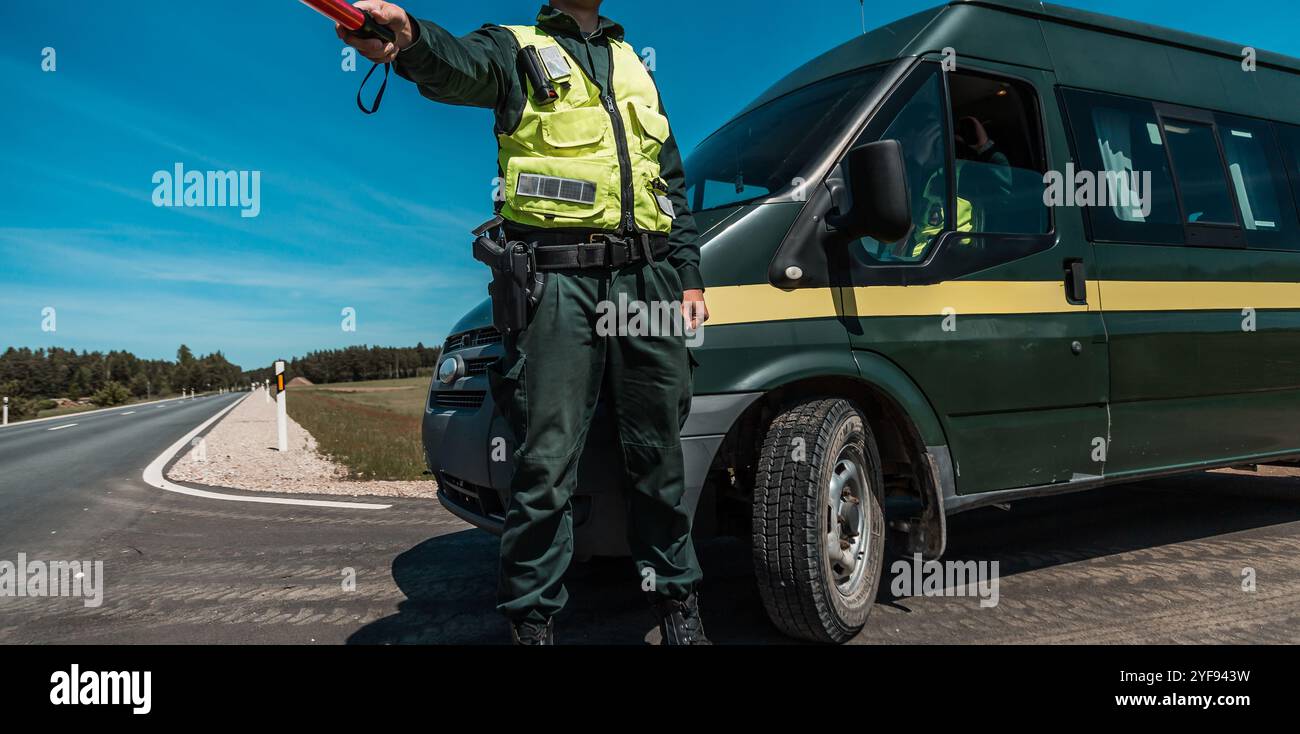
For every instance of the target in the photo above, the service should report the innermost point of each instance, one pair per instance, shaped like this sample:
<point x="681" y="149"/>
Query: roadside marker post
<point x="5" y="422"/>
<point x="281" y="413"/>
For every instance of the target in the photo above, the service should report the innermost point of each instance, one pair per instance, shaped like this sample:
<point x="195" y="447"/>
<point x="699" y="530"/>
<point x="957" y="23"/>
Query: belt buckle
<point x="616" y="249"/>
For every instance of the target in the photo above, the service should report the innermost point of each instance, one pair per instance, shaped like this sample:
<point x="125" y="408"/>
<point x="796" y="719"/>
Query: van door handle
<point x="1076" y="282"/>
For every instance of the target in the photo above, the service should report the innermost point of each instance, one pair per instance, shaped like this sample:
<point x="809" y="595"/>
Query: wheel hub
<point x="846" y="527"/>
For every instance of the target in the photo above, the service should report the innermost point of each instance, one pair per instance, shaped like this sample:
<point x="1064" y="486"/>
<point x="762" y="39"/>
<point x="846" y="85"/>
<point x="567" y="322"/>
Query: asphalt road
<point x="1158" y="561"/>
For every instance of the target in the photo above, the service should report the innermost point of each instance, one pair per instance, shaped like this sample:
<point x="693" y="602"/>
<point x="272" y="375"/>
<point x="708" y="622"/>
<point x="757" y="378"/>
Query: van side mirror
<point x="882" y="204"/>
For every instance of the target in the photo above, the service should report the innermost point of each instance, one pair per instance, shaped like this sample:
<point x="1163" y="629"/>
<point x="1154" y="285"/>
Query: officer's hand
<point x="375" y="49"/>
<point x="694" y="310"/>
<point x="972" y="131"/>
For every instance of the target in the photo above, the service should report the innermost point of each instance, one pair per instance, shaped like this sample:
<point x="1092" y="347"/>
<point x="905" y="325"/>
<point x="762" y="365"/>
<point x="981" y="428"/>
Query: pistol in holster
<point x="516" y="285"/>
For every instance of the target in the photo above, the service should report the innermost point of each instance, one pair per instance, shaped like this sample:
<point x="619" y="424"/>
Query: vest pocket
<point x="571" y="132"/>
<point x="653" y="128"/>
<point x="650" y="215"/>
<point x="556" y="207"/>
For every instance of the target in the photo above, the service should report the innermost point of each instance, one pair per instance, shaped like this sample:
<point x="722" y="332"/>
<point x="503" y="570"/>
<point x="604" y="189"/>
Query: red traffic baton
<point x="358" y="22"/>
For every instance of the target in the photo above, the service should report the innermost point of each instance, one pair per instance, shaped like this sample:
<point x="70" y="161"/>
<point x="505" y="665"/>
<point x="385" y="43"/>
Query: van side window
<point x="921" y="128"/>
<point x="1289" y="135"/>
<point x="998" y="146"/>
<point x="1119" y="145"/>
<point x="1258" y="178"/>
<point x="997" y="165"/>
<point x="1198" y="168"/>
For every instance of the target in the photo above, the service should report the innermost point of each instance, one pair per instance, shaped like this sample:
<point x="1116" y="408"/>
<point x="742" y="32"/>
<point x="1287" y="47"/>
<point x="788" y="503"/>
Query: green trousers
<point x="574" y="352"/>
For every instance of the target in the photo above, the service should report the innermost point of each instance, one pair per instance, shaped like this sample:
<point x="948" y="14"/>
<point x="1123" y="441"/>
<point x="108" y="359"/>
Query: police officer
<point x="593" y="183"/>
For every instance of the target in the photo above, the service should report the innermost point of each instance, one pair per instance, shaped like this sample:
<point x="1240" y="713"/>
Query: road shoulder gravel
<point x="240" y="453"/>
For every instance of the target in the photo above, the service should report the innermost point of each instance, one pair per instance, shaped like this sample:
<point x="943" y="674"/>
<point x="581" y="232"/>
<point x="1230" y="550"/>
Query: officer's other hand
<point x="375" y="49"/>
<point x="694" y="310"/>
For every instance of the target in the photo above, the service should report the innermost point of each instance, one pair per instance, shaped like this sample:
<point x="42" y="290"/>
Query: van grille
<point x="472" y="338"/>
<point x="458" y="399"/>
<point x="478" y="365"/>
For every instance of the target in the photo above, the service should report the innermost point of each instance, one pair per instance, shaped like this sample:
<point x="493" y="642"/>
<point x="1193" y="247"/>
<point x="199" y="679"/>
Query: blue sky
<point x="363" y="212"/>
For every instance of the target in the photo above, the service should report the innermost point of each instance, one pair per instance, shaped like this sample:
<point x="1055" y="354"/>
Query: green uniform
<point x="557" y="368"/>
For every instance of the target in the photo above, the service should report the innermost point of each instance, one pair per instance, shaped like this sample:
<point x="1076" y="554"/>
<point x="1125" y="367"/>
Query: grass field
<point x="373" y="428"/>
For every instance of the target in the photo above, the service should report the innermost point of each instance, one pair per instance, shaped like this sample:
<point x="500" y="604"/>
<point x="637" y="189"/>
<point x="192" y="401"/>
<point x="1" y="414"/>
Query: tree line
<point x="33" y="378"/>
<point x="354" y="364"/>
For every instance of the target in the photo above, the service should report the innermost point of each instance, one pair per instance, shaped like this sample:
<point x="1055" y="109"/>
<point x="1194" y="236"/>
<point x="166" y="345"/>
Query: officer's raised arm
<point x="463" y="71"/>
<point x="472" y="70"/>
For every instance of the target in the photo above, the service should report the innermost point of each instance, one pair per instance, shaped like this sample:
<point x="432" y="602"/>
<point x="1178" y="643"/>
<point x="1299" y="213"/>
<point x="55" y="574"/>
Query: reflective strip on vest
<point x="560" y="189"/>
<point x="561" y="164"/>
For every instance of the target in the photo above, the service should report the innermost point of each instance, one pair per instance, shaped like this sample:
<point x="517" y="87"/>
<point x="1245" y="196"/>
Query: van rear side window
<point x="1259" y="180"/>
<point x="1118" y="139"/>
<point x="1199" y="170"/>
<point x="1289" y="136"/>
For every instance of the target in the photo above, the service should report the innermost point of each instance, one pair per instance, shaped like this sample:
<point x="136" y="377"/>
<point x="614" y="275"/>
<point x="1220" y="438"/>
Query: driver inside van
<point x="977" y="186"/>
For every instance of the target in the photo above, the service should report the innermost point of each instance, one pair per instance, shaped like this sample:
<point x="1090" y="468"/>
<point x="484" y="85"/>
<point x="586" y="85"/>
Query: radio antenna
<point x="862" y="10"/>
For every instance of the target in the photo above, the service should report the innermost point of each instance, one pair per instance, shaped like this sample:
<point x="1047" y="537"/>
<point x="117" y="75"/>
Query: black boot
<point x="533" y="633"/>
<point x="679" y="621"/>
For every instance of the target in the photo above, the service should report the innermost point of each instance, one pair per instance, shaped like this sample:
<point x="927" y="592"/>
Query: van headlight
<point x="450" y="370"/>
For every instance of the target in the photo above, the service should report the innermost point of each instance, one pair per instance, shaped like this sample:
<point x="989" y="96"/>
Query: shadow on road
<point x="450" y="587"/>
<point x="450" y="581"/>
<point x="1046" y="532"/>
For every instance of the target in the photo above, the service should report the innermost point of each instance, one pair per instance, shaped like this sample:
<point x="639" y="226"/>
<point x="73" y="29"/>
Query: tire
<point x="812" y="588"/>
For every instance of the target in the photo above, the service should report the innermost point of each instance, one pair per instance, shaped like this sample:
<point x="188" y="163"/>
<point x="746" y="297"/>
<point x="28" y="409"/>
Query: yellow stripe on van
<point x="1139" y="295"/>
<point x="967" y="297"/>
<point x="741" y="304"/>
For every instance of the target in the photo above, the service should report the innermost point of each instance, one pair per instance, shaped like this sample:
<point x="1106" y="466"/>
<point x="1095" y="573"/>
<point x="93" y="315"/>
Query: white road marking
<point x="129" y="412"/>
<point x="60" y="428"/>
<point x="79" y="414"/>
<point x="153" y="475"/>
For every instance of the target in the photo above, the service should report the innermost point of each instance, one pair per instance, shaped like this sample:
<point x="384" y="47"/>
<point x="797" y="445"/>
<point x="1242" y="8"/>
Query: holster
<point x="516" y="285"/>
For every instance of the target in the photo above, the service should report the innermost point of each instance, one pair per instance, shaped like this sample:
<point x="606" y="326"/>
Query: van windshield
<point x="766" y="149"/>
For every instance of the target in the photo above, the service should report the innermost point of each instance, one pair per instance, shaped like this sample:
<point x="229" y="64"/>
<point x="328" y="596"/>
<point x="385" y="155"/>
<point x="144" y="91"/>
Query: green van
<point x="991" y="251"/>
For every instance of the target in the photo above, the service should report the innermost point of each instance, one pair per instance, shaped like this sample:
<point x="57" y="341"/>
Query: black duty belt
<point x="601" y="251"/>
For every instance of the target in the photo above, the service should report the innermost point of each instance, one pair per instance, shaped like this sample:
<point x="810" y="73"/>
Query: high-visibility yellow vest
<point x="933" y="223"/>
<point x="562" y="163"/>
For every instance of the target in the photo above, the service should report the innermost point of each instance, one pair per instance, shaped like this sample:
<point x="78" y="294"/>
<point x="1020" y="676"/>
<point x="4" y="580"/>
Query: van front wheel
<point x="818" y="522"/>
